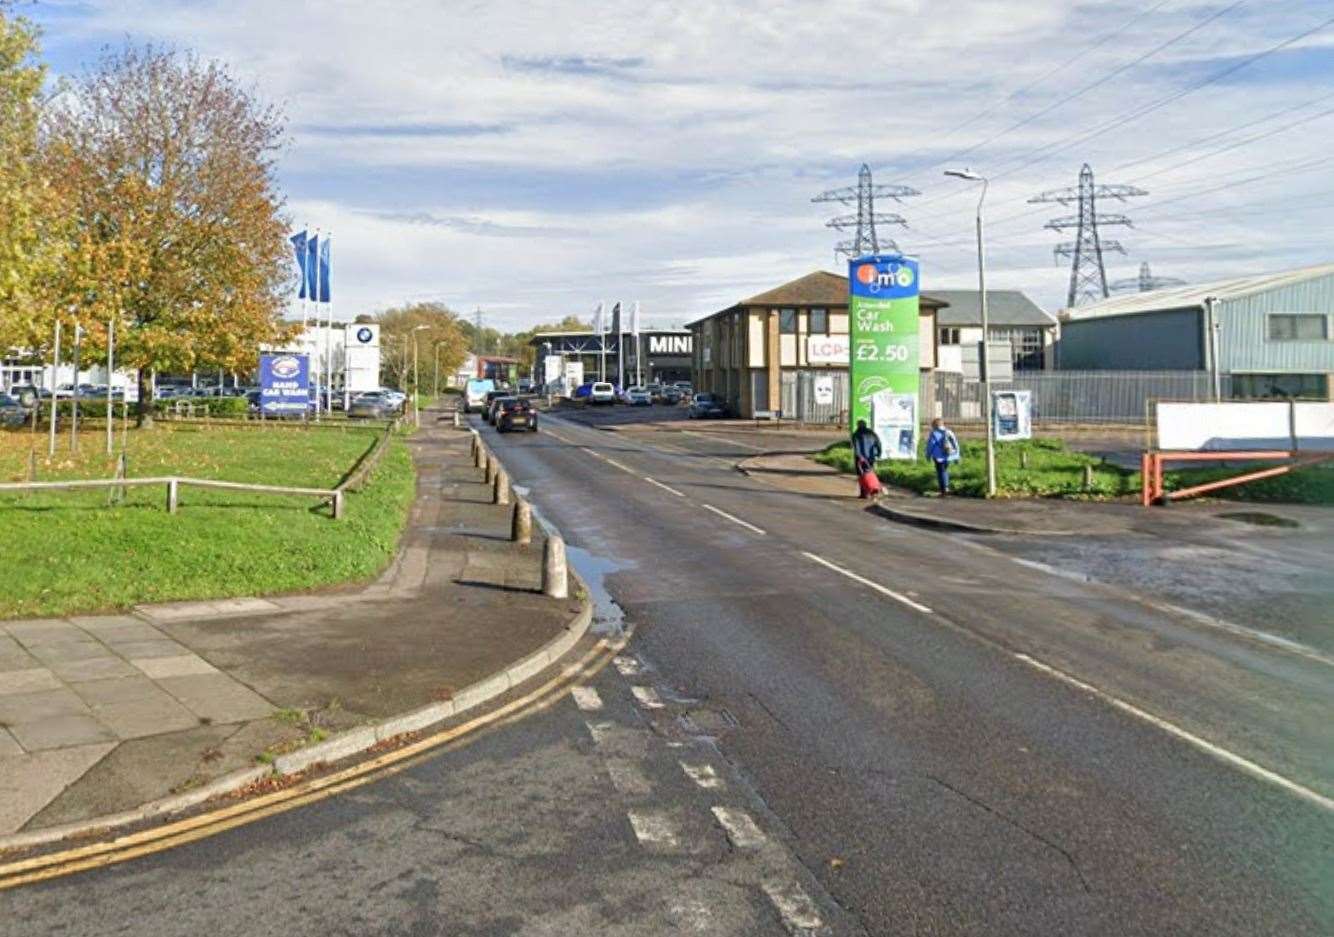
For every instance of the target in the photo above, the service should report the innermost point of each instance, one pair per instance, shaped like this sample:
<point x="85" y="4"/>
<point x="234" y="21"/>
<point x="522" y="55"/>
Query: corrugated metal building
<point x="1271" y="333"/>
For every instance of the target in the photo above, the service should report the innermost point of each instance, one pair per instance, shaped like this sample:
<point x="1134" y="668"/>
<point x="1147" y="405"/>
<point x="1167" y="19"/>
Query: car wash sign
<point x="884" y="339"/>
<point x="284" y="384"/>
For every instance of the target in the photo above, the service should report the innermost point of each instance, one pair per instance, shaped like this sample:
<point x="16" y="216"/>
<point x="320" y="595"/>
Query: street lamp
<point x="985" y="364"/>
<point x="416" y="402"/>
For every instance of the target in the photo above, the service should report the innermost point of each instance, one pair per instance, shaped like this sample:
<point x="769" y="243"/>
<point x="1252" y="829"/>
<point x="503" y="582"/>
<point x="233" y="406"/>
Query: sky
<point x="531" y="159"/>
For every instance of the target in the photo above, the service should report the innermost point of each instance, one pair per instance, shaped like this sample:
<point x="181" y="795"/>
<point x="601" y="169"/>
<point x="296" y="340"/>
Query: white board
<point x="1260" y="424"/>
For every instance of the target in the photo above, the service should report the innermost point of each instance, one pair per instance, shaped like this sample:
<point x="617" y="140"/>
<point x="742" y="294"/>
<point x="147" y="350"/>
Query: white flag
<point x="597" y="319"/>
<point x="634" y="319"/>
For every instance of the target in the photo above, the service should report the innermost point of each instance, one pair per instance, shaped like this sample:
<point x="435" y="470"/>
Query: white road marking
<point x="628" y="779"/>
<point x="896" y="596"/>
<point x="647" y="696"/>
<point x="654" y="829"/>
<point x="1204" y="745"/>
<point x="627" y="666"/>
<point x="668" y="488"/>
<point x="741" y="829"/>
<point x="733" y="519"/>
<point x="793" y="904"/>
<point x="599" y="730"/>
<point x="586" y="698"/>
<point x="703" y="775"/>
<point x="614" y="464"/>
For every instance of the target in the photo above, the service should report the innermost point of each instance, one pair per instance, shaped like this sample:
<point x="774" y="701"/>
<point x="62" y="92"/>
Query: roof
<point x="1004" y="308"/>
<point x="820" y="288"/>
<point x="1180" y="297"/>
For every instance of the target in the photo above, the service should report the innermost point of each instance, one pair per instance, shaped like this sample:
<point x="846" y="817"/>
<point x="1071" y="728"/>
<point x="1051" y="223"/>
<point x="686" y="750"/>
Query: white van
<point x="474" y="394"/>
<point x="601" y="392"/>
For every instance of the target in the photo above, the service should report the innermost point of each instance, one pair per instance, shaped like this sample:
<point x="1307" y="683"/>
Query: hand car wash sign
<point x="885" y="343"/>
<point x="284" y="383"/>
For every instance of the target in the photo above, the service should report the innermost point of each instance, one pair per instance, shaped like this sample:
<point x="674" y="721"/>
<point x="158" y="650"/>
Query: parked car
<point x="395" y="397"/>
<point x="636" y="397"/>
<point x="686" y="390"/>
<point x="29" y="394"/>
<point x="525" y="386"/>
<point x="600" y="392"/>
<point x="495" y="404"/>
<point x="706" y="407"/>
<point x="582" y="391"/>
<point x="515" y="413"/>
<point x="671" y="394"/>
<point x="372" y="405"/>
<point x="474" y="394"/>
<point x="13" y="413"/>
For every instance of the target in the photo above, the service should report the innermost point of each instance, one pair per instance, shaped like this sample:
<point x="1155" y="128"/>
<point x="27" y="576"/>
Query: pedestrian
<point x="865" y="453"/>
<point x="942" y="448"/>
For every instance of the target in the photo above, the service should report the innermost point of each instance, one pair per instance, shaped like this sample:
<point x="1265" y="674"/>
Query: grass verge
<point x="69" y="552"/>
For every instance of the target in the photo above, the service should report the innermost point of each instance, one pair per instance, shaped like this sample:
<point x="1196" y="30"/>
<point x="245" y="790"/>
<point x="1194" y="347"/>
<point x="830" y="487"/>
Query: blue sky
<point x="532" y="159"/>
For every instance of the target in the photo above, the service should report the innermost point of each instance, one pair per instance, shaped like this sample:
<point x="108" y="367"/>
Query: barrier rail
<point x="335" y="496"/>
<point x="1152" y="490"/>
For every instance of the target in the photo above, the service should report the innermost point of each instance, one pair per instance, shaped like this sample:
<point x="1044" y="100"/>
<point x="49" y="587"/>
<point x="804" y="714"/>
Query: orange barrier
<point x="1151" y="470"/>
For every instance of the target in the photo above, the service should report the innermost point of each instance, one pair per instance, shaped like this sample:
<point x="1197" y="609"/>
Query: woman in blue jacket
<point x="942" y="448"/>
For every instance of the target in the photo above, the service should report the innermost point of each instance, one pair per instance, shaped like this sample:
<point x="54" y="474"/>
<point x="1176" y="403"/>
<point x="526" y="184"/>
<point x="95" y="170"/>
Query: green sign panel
<point x="885" y="349"/>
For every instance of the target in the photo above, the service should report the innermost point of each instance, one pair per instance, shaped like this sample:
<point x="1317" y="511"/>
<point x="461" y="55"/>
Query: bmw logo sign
<point x="286" y="367"/>
<point x="364" y="335"/>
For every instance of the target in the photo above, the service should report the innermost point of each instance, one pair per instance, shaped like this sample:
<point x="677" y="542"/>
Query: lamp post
<point x="984" y="363"/>
<point x="416" y="385"/>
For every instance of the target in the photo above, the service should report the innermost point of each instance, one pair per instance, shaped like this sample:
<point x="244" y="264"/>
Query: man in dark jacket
<point x="865" y="453"/>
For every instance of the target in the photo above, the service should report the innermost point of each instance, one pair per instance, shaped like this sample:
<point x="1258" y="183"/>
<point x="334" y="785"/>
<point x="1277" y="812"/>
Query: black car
<point x="494" y="403"/>
<point x="13" y="413"/>
<point x="705" y="407"/>
<point x="515" y="413"/>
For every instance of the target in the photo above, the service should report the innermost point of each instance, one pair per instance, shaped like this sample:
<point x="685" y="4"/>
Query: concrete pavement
<point x="100" y="716"/>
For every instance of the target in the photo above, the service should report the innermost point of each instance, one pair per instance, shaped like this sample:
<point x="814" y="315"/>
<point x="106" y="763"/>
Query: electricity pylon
<point x="865" y="239"/>
<point x="1144" y="282"/>
<point x="1088" y="275"/>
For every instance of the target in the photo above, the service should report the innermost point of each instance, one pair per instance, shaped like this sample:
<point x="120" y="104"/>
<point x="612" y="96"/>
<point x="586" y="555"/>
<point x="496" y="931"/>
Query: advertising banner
<point x="284" y="383"/>
<point x="827" y="349"/>
<point x="885" y="343"/>
<point x="1012" y="413"/>
<point x="553" y="370"/>
<point x="824" y="390"/>
<point x="894" y="419"/>
<point x="574" y="376"/>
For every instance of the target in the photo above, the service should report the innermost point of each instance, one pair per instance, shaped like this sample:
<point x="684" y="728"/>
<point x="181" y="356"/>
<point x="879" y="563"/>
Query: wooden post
<point x="172" y="492"/>
<point x="32" y="465"/>
<point x="1088" y="477"/>
<point x="116" y="493"/>
<point x="338" y="505"/>
<point x="1023" y="458"/>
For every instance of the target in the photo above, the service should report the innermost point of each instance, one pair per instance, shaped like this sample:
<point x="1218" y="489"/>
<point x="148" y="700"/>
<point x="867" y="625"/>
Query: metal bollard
<point x="501" y="492"/>
<point x="555" y="577"/>
<point x="521" y="527"/>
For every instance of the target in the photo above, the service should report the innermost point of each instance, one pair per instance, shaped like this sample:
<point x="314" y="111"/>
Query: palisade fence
<point x="1058" y="396"/>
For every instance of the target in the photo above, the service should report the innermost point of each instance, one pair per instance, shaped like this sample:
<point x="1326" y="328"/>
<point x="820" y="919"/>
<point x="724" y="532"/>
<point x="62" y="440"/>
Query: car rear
<point x="602" y="393"/>
<point x="516" y="414"/>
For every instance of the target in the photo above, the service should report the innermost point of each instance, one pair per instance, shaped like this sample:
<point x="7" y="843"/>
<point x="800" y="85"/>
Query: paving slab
<point x="137" y="718"/>
<point x="162" y="647"/>
<point x="120" y="690"/>
<point x="32" y="680"/>
<point x="64" y="652"/>
<point x="93" y="668"/>
<point x="43" y="630"/>
<point x="29" y="782"/>
<point x="14" y="657"/>
<point x="8" y="744"/>
<point x="62" y="731"/>
<point x="183" y="665"/>
<point x="42" y="704"/>
<point x="217" y="697"/>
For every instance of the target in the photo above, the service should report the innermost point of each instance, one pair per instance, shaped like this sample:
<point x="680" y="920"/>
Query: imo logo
<point x="873" y="278"/>
<point x="904" y="277"/>
<point x="364" y="335"/>
<point x="866" y="274"/>
<point x="286" y="367"/>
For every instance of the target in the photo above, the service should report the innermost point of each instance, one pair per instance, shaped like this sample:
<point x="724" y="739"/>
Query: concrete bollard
<point x="492" y="468"/>
<point x="501" y="491"/>
<point x="555" y="577"/>
<point x="521" y="527"/>
<point x="456" y="419"/>
<point x="479" y="457"/>
<point x="172" y="490"/>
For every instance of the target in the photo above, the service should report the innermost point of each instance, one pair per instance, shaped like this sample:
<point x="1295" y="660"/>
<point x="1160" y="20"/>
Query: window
<point x="1025" y="346"/>
<point x="1280" y="386"/>
<point x="819" y="322"/>
<point x="1305" y="327"/>
<point x="949" y="335"/>
<point x="787" y="321"/>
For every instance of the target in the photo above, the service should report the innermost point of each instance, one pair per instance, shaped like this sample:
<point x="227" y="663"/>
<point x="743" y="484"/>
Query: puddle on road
<point x="608" y="617"/>
<point x="1259" y="518"/>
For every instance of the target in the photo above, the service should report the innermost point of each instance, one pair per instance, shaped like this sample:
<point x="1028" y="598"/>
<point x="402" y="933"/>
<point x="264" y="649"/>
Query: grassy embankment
<point x="68" y="552"/>
<point x="1056" y="471"/>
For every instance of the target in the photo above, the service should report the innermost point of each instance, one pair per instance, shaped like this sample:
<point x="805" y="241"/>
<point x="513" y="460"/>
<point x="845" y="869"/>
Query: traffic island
<point x="112" y="720"/>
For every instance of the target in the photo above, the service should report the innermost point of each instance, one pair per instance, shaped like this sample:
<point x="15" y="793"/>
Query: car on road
<point x="497" y="401"/>
<point x="601" y="393"/>
<point x="706" y="407"/>
<point x="474" y="394"/>
<point x="12" y="413"/>
<point x="515" y="413"/>
<point x="489" y="407"/>
<point x="372" y="405"/>
<point x="636" y="397"/>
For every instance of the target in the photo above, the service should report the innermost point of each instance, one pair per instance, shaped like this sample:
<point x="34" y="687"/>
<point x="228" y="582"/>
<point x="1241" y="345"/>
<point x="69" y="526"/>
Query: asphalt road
<point x="825" y="723"/>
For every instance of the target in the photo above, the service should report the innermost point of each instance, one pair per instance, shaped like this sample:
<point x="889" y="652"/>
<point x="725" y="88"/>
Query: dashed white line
<point x="627" y="666"/>
<point x="668" y="488"/>
<point x="896" y="596"/>
<point x="793" y="904"/>
<point x="732" y="518"/>
<point x="740" y="828"/>
<point x="1204" y="745"/>
<point x="703" y="775"/>
<point x="647" y="696"/>
<point x="599" y="730"/>
<point x="586" y="698"/>
<point x="654" y="829"/>
<point x="614" y="464"/>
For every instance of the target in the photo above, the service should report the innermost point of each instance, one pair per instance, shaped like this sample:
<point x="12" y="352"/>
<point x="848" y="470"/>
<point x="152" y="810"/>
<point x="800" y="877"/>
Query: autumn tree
<point x="435" y="331"/>
<point x="165" y="163"/>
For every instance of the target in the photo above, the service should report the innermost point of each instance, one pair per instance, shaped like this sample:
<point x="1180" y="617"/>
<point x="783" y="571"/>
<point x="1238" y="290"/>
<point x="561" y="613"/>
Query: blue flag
<point x="325" y="295"/>
<point x="299" y="245"/>
<point x="311" y="268"/>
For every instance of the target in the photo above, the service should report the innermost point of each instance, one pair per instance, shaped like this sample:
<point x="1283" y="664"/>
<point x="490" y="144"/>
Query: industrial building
<point x="1258" y="336"/>
<point x="660" y="355"/>
<point x="763" y="354"/>
<point x="1015" y="324"/>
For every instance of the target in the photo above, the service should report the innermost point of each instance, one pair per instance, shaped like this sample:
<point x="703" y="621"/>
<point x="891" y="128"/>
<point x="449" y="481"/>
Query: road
<point x="824" y="723"/>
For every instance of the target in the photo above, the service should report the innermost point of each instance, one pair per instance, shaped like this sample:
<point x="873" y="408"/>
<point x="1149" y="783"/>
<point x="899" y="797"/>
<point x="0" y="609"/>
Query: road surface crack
<point x="1070" y="859"/>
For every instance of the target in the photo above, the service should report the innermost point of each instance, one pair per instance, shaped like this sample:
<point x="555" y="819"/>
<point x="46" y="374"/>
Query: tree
<point x="165" y="165"/>
<point x="27" y="216"/>
<point x="434" y="329"/>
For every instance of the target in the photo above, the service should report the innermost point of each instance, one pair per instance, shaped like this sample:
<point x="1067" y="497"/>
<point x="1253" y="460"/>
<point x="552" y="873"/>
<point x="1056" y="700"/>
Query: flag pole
<point x="313" y="261"/>
<point x="328" y="334"/>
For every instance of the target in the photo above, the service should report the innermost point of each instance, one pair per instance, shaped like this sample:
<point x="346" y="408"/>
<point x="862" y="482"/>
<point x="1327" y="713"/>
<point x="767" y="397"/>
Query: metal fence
<point x="1058" y="396"/>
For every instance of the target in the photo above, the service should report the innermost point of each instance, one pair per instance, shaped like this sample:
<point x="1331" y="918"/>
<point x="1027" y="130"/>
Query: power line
<point x="865" y="239"/>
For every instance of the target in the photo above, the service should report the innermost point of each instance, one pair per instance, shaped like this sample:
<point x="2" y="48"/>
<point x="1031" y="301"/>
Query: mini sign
<point x="284" y="383"/>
